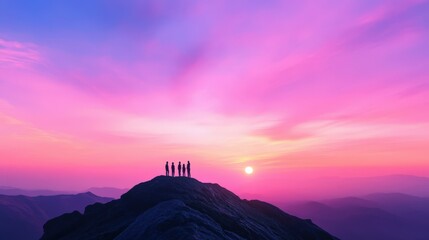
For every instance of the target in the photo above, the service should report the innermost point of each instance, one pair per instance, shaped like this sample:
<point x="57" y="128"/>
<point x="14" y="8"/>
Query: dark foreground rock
<point x="181" y="208"/>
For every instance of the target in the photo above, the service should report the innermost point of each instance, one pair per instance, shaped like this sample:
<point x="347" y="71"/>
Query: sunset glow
<point x="102" y="93"/>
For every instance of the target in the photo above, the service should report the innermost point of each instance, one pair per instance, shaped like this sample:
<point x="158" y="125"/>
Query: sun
<point x="248" y="170"/>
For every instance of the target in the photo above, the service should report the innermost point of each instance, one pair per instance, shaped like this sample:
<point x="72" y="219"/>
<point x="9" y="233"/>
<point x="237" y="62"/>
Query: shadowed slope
<point x="22" y="217"/>
<point x="393" y="216"/>
<point x="181" y="208"/>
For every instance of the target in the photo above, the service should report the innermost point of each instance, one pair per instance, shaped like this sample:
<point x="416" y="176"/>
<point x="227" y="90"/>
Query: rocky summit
<point x="181" y="208"/>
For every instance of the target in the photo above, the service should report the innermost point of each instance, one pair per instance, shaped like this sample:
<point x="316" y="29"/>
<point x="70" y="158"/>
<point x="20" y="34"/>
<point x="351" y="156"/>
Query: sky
<point x="102" y="93"/>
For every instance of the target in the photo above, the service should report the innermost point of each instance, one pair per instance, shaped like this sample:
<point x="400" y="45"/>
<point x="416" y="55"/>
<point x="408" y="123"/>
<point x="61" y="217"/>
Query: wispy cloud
<point x="18" y="54"/>
<point x="274" y="84"/>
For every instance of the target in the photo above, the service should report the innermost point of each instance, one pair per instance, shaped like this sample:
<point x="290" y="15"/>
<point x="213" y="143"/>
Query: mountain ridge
<point x="22" y="217"/>
<point x="181" y="208"/>
<point x="394" y="216"/>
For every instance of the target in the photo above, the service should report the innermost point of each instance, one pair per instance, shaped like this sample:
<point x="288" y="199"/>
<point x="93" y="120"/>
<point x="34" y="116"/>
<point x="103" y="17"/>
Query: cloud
<point x="18" y="54"/>
<point x="274" y="83"/>
<point x="386" y="23"/>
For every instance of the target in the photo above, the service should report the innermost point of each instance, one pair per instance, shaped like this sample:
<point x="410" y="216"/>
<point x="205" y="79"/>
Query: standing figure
<point x="172" y="169"/>
<point x="179" y="169"/>
<point x="167" y="170"/>
<point x="183" y="170"/>
<point x="188" y="167"/>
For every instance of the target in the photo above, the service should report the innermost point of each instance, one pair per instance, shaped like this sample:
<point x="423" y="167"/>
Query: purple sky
<point x="96" y="93"/>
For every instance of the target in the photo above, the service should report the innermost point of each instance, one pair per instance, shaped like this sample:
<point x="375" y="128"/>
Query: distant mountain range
<point x="99" y="191"/>
<point x="358" y="186"/>
<point x="181" y="208"/>
<point x="22" y="217"/>
<point x="393" y="216"/>
<point x="108" y="191"/>
<point x="319" y="188"/>
<point x="11" y="191"/>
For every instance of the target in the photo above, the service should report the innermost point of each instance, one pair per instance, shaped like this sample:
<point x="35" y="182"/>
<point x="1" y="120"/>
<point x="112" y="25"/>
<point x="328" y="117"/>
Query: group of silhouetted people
<point x="181" y="169"/>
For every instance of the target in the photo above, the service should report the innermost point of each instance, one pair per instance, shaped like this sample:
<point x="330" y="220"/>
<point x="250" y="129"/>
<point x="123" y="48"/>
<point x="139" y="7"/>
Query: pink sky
<point x="103" y="93"/>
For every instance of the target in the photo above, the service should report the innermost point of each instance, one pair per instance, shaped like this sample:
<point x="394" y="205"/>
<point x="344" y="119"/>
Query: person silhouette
<point x="179" y="169"/>
<point x="188" y="167"/>
<point x="167" y="171"/>
<point x="172" y="169"/>
<point x="183" y="170"/>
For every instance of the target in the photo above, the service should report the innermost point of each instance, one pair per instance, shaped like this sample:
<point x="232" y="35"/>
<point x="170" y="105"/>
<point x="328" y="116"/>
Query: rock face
<point x="181" y="208"/>
<point x="22" y="217"/>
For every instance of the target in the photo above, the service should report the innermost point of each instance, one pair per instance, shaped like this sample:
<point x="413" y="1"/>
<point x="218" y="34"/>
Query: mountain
<point x="181" y="208"/>
<point x="393" y="216"/>
<point x="360" y="186"/>
<point x="22" y="217"/>
<point x="108" y="191"/>
<point x="11" y="191"/>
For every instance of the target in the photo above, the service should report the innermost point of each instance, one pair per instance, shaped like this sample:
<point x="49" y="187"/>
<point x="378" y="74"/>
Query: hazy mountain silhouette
<point x="359" y="186"/>
<point x="12" y="191"/>
<point x="108" y="191"/>
<point x="181" y="208"/>
<point x="22" y="217"/>
<point x="392" y="216"/>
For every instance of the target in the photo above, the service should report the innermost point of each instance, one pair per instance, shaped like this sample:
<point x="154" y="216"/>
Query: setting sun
<point x="248" y="170"/>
